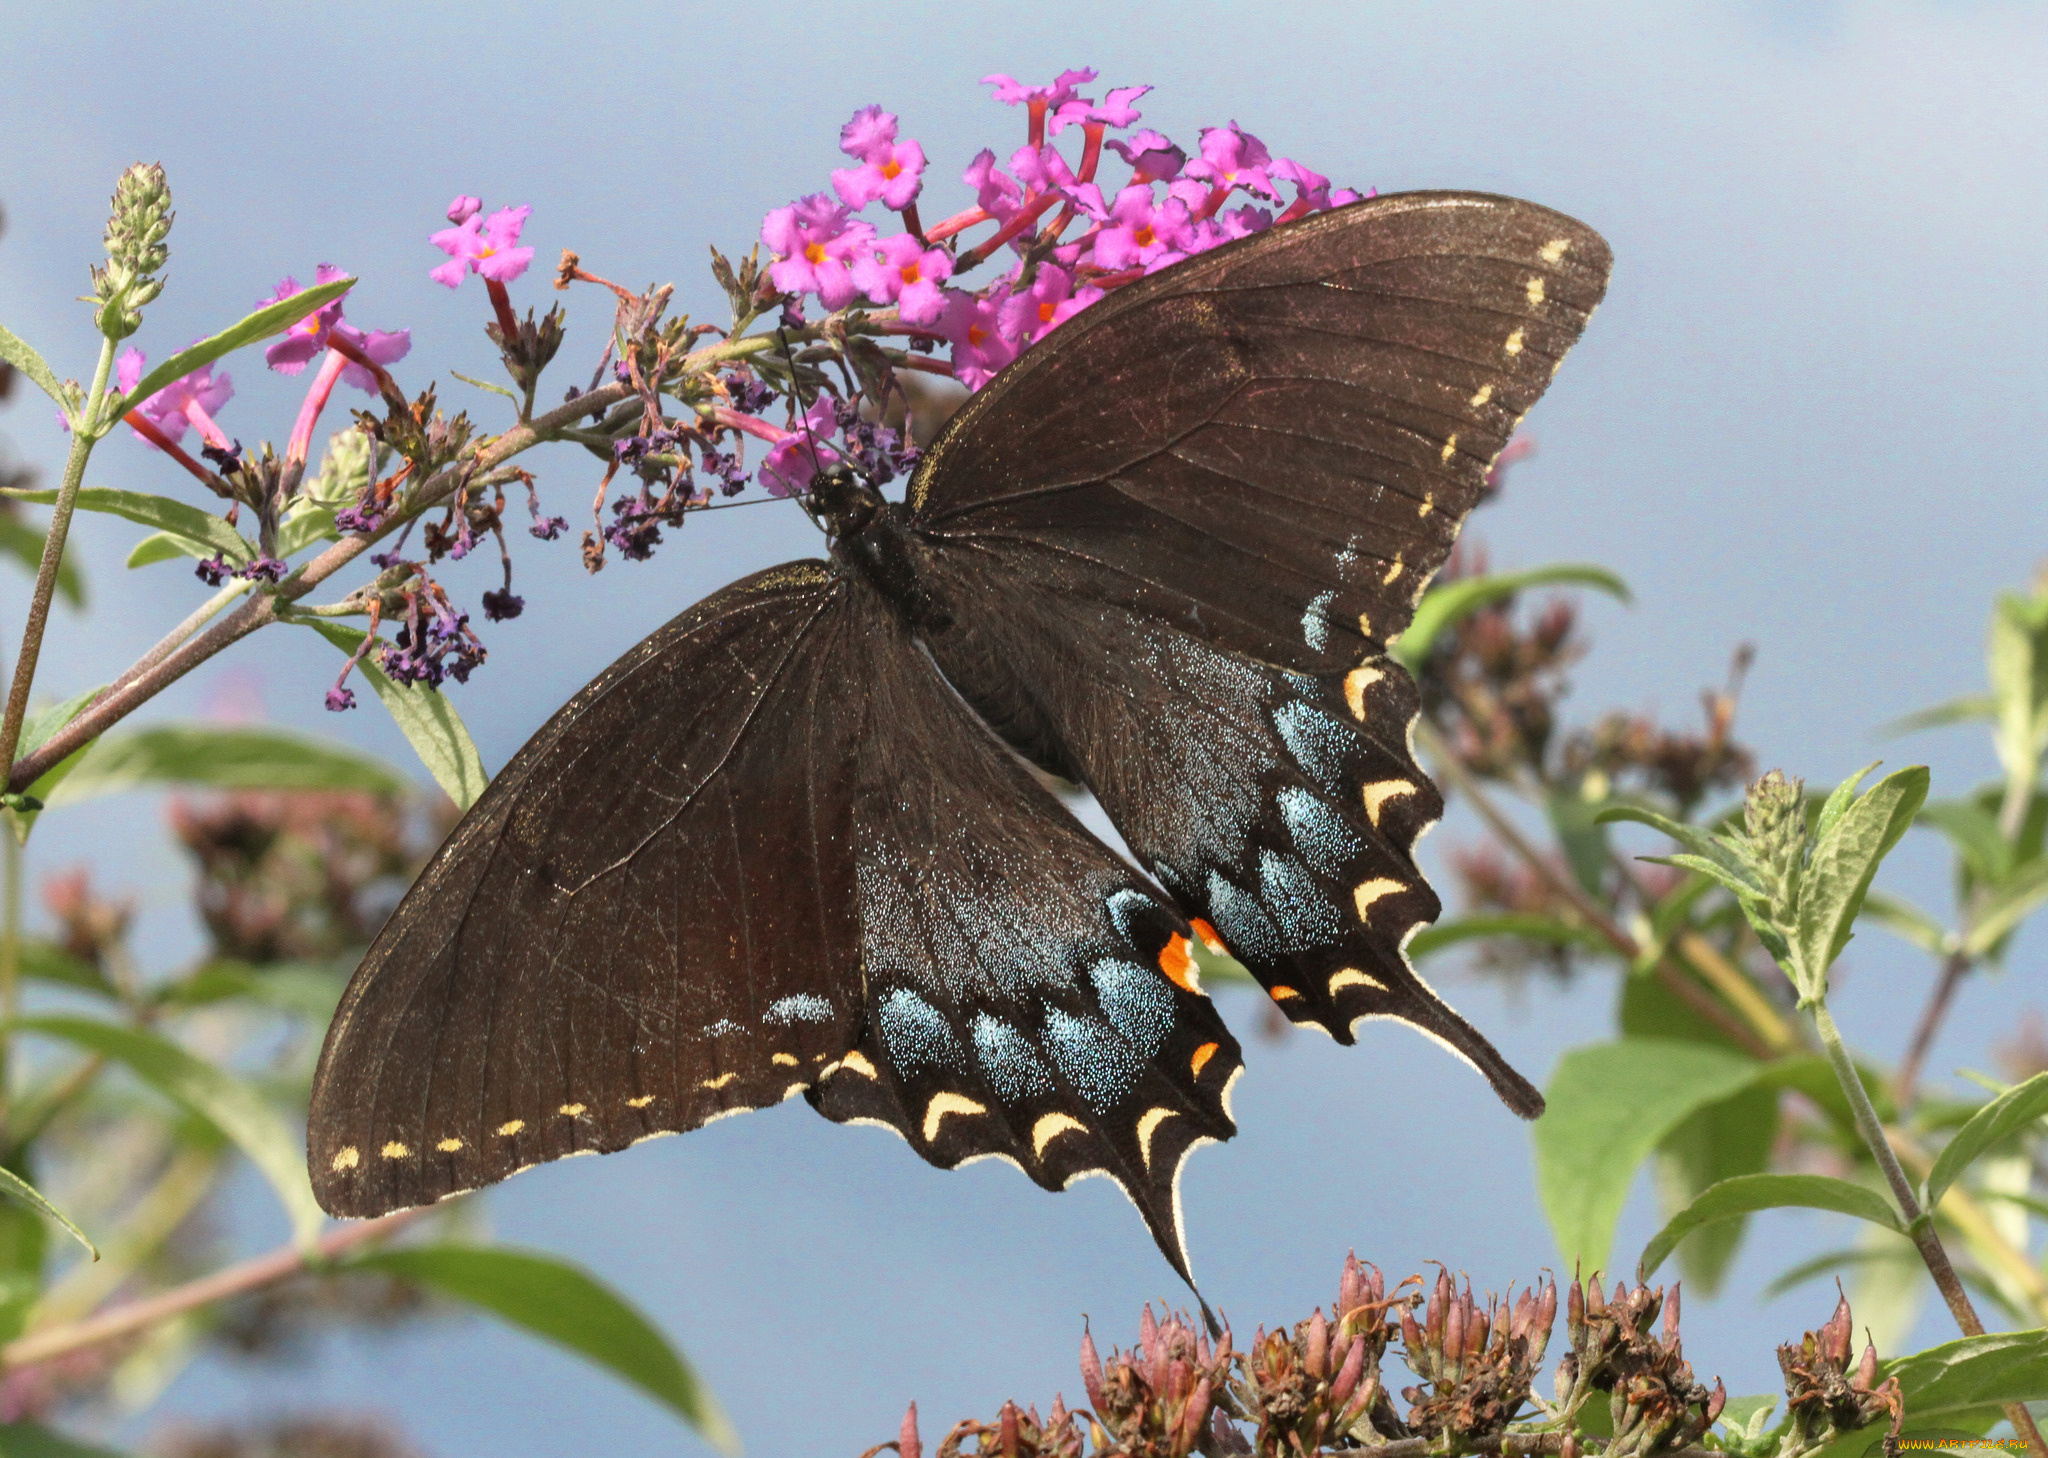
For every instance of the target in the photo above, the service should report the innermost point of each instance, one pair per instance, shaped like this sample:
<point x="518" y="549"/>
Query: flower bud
<point x="138" y="223"/>
<point x="1316" y="1351"/>
<point x="1719" y="1400"/>
<point x="1091" y="1371"/>
<point x="1774" y="824"/>
<point x="1006" y="1430"/>
<point x="1866" y="1370"/>
<point x="1671" y="1315"/>
<point x="1197" y="1414"/>
<point x="1837" y="1337"/>
<point x="907" y="1441"/>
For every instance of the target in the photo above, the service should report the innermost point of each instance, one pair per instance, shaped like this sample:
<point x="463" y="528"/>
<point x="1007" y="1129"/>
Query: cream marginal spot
<point x="1356" y="683"/>
<point x="1514" y="344"/>
<point x="1535" y="291"/>
<point x="510" y="1127"/>
<point x="395" y="1150"/>
<point x="1351" y="977"/>
<point x="1378" y="793"/>
<point x="1371" y="891"/>
<point x="449" y="1145"/>
<point x="1147" y="1127"/>
<point x="1553" y="250"/>
<point x="1050" y="1127"/>
<point x="943" y="1104"/>
<point x="1485" y="394"/>
<point x="347" y="1158"/>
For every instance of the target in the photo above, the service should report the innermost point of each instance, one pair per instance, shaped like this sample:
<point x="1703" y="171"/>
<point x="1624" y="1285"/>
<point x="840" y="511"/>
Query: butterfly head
<point x="843" y="504"/>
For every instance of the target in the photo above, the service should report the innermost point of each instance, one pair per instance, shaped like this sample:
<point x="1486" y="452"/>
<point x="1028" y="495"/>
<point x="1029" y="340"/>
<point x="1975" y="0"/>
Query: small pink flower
<point x="1012" y="92"/>
<point x="1152" y="157"/>
<point x="814" y="239"/>
<point x="489" y="246"/>
<point x="1051" y="300"/>
<point x="1115" y="111"/>
<point x="1312" y="190"/>
<point x="800" y="457"/>
<point x="463" y="209"/>
<point x="974" y="325"/>
<point x="995" y="192"/>
<point x="1142" y="232"/>
<point x="908" y="275"/>
<point x="1237" y="223"/>
<point x="889" y="170"/>
<point x="1234" y="158"/>
<point x="188" y="400"/>
<point x="309" y="337"/>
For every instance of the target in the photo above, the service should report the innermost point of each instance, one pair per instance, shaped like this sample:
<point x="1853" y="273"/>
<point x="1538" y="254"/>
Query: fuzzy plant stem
<point x="1919" y="1223"/>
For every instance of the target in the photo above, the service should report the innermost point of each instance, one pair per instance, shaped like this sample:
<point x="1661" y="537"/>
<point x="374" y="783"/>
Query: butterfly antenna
<point x="1209" y="1318"/>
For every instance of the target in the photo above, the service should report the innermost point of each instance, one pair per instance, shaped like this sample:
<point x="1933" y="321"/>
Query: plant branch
<point x="1681" y="986"/>
<point x="235" y="1280"/>
<point x="1919" y="1225"/>
<point x="1953" y="970"/>
<point x="82" y="437"/>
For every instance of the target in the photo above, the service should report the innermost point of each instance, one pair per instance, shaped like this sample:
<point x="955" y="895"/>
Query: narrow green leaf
<point x="428" y="719"/>
<point x="1746" y="1194"/>
<point x="1528" y="926"/>
<point x="484" y="385"/>
<point x="33" y="1440"/>
<point x="1722" y="862"/>
<point x="1610" y="1106"/>
<point x="24" y="543"/>
<point x="1965" y="1382"/>
<point x="1581" y="834"/>
<point x="1839" y="799"/>
<point x="2005" y="906"/>
<point x="273" y="319"/>
<point x="1719" y="1142"/>
<point x="307" y="525"/>
<point x="1827" y="1264"/>
<point x="566" y="1305"/>
<point x="45" y="961"/>
<point x="21" y="1192"/>
<point x="202" y="529"/>
<point x="23" y="356"/>
<point x="1906" y="920"/>
<point x="306" y="989"/>
<point x="1972" y="828"/>
<point x="1740" y="1414"/>
<point x="34" y="735"/>
<point x="1846" y="855"/>
<point x="227" y="757"/>
<point x="163" y="547"/>
<point x="214" y="1094"/>
<point x="1445" y="605"/>
<point x="2005" y="1115"/>
<point x="1974" y="709"/>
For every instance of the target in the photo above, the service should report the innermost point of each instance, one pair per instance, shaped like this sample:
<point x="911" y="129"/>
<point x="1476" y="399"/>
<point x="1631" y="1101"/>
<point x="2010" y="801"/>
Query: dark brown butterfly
<point x="790" y="843"/>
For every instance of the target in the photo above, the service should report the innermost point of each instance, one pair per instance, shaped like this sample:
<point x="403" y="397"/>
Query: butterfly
<point x="793" y="843"/>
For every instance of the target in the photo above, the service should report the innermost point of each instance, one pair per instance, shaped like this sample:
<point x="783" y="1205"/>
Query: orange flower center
<point x="975" y="334"/>
<point x="910" y="273"/>
<point x="1144" y="236"/>
<point x="892" y="169"/>
<point x="815" y="252"/>
<point x="1046" y="309"/>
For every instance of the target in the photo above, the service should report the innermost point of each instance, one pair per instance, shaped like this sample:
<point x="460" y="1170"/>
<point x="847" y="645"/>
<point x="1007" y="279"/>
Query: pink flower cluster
<point x="1170" y="208"/>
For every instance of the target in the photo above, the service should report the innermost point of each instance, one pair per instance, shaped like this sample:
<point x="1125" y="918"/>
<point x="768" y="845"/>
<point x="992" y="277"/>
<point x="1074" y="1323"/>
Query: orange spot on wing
<point x="1281" y="994"/>
<point x="1202" y="1056"/>
<point x="1209" y="937"/>
<point x="1177" y="961"/>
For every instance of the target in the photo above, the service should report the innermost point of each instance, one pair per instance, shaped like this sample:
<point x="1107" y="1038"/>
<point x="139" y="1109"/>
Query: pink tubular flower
<point x="1312" y="190"/>
<point x="1141" y="232"/>
<point x="1051" y="300"/>
<point x="974" y="325"/>
<point x="801" y="456"/>
<point x="310" y="336"/>
<point x="1234" y="158"/>
<point x="1012" y="92"/>
<point x="188" y="400"/>
<point x="489" y="246"/>
<point x="1115" y="111"/>
<point x="464" y="208"/>
<point x="814" y="239"/>
<point x="908" y="275"/>
<point x="890" y="170"/>
<point x="1152" y="157"/>
<point x="995" y="192"/>
<point x="1043" y="170"/>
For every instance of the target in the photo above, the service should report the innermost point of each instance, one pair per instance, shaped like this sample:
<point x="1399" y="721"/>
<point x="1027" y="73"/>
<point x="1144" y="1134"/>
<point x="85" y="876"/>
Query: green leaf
<point x="1719" y="1142"/>
<point x="1977" y="708"/>
<point x="1709" y="856"/>
<point x="1581" y="834"/>
<point x="227" y="757"/>
<point x="1745" y="1416"/>
<point x="1973" y="830"/>
<point x="1906" y="920"/>
<point x="307" y="525"/>
<point x="1746" y="1194"/>
<point x="306" y="989"/>
<point x="427" y="718"/>
<point x="1850" y="840"/>
<point x="1443" y="606"/>
<point x="45" y="961"/>
<point x="33" y="1440"/>
<point x="2004" y="1116"/>
<point x="273" y="319"/>
<point x="1838" y="800"/>
<point x="566" y="1305"/>
<point x="1964" y="1383"/>
<point x="202" y="529"/>
<point x="484" y="385"/>
<point x="21" y="1192"/>
<point x="25" y="544"/>
<point x="1527" y="925"/>
<point x="214" y="1094"/>
<point x="1610" y="1105"/>
<point x="34" y="735"/>
<point x="163" y="547"/>
<point x="23" y="356"/>
<point x="2018" y="660"/>
<point x="2005" y="906"/>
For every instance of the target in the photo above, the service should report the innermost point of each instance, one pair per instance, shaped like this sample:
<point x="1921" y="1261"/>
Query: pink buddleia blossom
<point x="1312" y="189"/>
<point x="1142" y="232"/>
<point x="1027" y="317"/>
<point x="1153" y="158"/>
<point x="801" y="456"/>
<point x="188" y="400"/>
<point x="995" y="191"/>
<point x="903" y="272"/>
<point x="1233" y="158"/>
<point x="1043" y="170"/>
<point x="974" y="325"/>
<point x="815" y="242"/>
<point x="309" y="337"/>
<point x="1115" y="111"/>
<point x="1226" y="227"/>
<point x="889" y="170"/>
<point x="464" y="208"/>
<point x="1012" y="92"/>
<point x="487" y="246"/>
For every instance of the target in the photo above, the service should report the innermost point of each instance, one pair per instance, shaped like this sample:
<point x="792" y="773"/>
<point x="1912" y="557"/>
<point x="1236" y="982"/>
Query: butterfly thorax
<point x="871" y="541"/>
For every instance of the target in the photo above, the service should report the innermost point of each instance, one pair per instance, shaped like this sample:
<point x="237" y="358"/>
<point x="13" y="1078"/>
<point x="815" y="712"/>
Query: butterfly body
<point x="791" y="843"/>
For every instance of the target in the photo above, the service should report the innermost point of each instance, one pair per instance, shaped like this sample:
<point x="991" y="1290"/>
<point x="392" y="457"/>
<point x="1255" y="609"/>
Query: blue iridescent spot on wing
<point x="1322" y="835"/>
<point x="917" y="1033"/>
<point x="1136" y="1000"/>
<point x="1014" y="1070"/>
<point x="1238" y="917"/>
<point x="1317" y="742"/>
<point x="1101" y="1066"/>
<point x="804" y="1007"/>
<point x="1315" y="621"/>
<point x="1121" y="906"/>
<point x="1307" y="917"/>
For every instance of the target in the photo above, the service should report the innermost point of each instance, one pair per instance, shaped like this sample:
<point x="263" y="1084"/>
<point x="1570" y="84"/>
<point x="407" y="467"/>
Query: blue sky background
<point x="1808" y="416"/>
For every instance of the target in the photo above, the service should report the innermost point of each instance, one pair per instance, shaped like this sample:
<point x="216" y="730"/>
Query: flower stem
<point x="84" y="432"/>
<point x="1919" y="1225"/>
